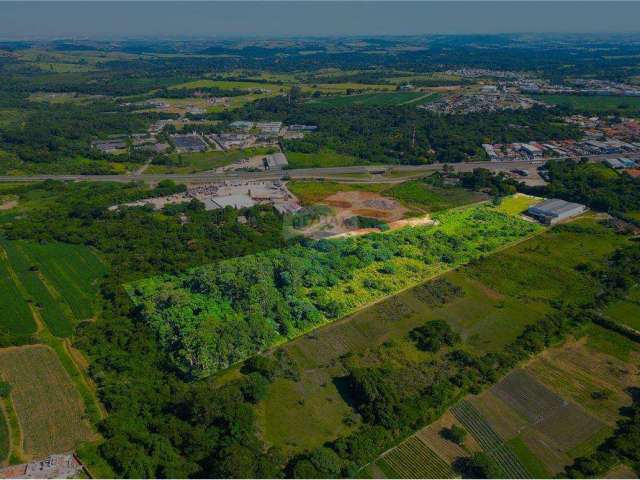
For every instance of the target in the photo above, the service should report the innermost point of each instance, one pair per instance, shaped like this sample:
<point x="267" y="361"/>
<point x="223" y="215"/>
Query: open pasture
<point x="544" y="268"/>
<point x="49" y="409"/>
<point x="487" y="318"/>
<point x="422" y="196"/>
<point x="627" y="310"/>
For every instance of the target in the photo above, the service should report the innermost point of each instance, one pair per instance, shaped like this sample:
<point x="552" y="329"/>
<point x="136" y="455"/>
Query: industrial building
<point x="275" y="161"/>
<point x="554" y="210"/>
<point x="189" y="143"/>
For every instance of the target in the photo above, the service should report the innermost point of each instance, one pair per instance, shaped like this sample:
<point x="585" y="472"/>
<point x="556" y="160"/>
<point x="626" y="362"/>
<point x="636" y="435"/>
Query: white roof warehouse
<point x="555" y="210"/>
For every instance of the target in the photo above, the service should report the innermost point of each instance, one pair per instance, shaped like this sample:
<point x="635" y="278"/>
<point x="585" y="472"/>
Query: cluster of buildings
<point x="490" y="98"/>
<point x="581" y="87"/>
<point x="120" y="144"/>
<point x="235" y="194"/>
<point x="54" y="466"/>
<point x="486" y="73"/>
<point x="558" y="149"/>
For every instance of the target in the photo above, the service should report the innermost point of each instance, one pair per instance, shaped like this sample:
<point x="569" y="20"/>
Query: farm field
<point x="414" y="459"/>
<point x="622" y="105"/>
<point x="374" y="99"/>
<point x="199" y="161"/>
<point x="49" y="409"/>
<point x="57" y="280"/>
<point x="486" y="317"/>
<point x="538" y="418"/>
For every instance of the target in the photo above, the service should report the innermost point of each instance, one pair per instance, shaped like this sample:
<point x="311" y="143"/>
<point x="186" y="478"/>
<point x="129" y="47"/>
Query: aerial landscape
<point x="319" y="240"/>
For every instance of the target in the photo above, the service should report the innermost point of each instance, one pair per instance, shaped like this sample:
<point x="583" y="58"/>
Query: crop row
<point x="414" y="459"/>
<point x="489" y="440"/>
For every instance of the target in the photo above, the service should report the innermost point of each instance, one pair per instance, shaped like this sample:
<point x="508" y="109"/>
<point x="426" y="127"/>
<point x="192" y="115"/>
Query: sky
<point x="98" y="19"/>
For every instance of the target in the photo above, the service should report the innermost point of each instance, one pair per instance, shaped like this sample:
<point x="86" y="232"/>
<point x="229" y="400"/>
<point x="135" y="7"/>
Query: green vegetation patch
<point x="5" y="439"/>
<point x="422" y="195"/>
<point x="213" y="316"/>
<point x="534" y="466"/>
<point x="60" y="280"/>
<point x="517" y="204"/>
<point x="594" y="103"/>
<point x="199" y="161"/>
<point x="324" y="158"/>
<point x="372" y="99"/>
<point x="626" y="311"/>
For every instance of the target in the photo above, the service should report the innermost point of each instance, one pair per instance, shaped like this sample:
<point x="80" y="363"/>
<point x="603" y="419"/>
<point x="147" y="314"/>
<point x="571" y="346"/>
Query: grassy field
<point x="517" y="204"/>
<point x="374" y="99"/>
<point x="58" y="280"/>
<point x="228" y="85"/>
<point x="627" y="310"/>
<point x="311" y="192"/>
<point x="414" y="194"/>
<point x="5" y="440"/>
<point x="324" y="158"/>
<point x="49" y="409"/>
<point x="622" y="105"/>
<point x="420" y="195"/>
<point x="199" y="161"/>
<point x="493" y="310"/>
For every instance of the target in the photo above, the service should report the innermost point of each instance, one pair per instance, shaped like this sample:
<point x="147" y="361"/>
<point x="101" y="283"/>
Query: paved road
<point x="270" y="175"/>
<point x="312" y="173"/>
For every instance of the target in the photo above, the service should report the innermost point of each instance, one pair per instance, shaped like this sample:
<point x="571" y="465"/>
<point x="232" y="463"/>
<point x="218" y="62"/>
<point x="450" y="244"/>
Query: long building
<point x="555" y="210"/>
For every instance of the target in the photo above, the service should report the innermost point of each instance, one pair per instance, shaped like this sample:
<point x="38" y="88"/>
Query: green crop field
<point x="49" y="409"/>
<point x="489" y="440"/>
<point x="589" y="103"/>
<point x="59" y="280"/>
<point x="374" y="99"/>
<point x="16" y="317"/>
<point x="414" y="459"/>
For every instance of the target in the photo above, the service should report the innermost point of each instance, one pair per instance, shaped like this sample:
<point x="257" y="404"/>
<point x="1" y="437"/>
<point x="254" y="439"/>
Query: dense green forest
<point x="214" y="316"/>
<point x="405" y="134"/>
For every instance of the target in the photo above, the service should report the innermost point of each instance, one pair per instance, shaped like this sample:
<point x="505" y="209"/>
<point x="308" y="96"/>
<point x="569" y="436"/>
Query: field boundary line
<point x="16" y="435"/>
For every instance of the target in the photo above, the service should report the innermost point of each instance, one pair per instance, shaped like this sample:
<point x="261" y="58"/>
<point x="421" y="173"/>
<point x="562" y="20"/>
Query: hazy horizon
<point x="161" y="19"/>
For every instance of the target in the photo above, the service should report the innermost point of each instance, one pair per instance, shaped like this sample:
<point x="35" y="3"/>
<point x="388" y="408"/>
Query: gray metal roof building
<point x="555" y="210"/>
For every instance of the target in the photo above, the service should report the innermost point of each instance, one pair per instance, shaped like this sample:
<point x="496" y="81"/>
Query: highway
<point x="301" y="173"/>
<point x="333" y="173"/>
